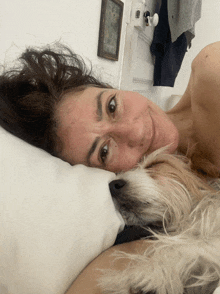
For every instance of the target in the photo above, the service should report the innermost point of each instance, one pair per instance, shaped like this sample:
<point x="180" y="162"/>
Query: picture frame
<point x="110" y="29"/>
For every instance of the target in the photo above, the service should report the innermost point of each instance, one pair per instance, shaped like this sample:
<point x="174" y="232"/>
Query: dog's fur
<point x="185" y="258"/>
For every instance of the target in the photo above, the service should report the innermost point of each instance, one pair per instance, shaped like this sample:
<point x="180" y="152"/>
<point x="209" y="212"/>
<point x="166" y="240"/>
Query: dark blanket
<point x="131" y="233"/>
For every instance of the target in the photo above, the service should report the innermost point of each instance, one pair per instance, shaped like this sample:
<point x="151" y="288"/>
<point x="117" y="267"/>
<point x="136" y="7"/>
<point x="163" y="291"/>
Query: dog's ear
<point x="165" y="167"/>
<point x="152" y="159"/>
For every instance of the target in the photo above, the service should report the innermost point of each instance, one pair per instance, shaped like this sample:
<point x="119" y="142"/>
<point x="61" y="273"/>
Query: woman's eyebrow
<point x="99" y="105"/>
<point x="91" y="150"/>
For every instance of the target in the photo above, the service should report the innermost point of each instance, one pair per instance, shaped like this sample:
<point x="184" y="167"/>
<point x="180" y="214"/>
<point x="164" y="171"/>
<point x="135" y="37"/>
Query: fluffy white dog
<point x="185" y="257"/>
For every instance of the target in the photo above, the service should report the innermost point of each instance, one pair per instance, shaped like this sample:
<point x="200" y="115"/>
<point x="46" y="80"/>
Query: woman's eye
<point x="104" y="153"/>
<point x="112" y="105"/>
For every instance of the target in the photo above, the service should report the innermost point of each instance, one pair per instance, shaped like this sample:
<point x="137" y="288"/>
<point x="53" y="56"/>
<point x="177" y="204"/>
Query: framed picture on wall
<point x="110" y="29"/>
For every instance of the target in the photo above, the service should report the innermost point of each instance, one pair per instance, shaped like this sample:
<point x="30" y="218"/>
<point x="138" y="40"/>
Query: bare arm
<point x="87" y="281"/>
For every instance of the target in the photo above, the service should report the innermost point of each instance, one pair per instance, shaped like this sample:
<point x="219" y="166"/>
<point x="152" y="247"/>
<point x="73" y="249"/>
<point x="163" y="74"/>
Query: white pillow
<point x="54" y="218"/>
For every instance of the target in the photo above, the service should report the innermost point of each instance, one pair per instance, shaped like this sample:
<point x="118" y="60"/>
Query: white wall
<point x="76" y="24"/>
<point x="40" y="22"/>
<point x="207" y="31"/>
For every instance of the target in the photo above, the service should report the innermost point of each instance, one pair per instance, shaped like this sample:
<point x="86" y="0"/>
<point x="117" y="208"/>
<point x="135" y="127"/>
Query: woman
<point x="53" y="103"/>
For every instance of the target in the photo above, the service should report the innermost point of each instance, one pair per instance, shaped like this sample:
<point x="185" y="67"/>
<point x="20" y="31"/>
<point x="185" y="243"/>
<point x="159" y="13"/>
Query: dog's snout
<point x="116" y="187"/>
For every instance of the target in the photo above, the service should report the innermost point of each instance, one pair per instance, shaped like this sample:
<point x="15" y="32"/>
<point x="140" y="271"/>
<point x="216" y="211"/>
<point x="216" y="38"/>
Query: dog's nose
<point x="116" y="187"/>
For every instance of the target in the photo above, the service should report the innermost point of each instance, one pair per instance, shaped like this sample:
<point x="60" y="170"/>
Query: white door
<point x="138" y="63"/>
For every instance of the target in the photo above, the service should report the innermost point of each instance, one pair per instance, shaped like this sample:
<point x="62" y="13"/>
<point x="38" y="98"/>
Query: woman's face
<point x="112" y="129"/>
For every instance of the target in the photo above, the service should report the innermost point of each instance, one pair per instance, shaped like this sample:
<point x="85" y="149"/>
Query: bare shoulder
<point x="206" y="65"/>
<point x="205" y="87"/>
<point x="208" y="57"/>
<point x="204" y="84"/>
<point x="205" y="100"/>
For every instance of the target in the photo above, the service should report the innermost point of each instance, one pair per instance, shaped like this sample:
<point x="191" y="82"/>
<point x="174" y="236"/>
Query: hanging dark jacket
<point x="168" y="55"/>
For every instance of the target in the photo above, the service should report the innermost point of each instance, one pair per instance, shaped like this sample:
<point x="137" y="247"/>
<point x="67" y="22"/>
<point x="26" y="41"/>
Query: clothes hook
<point x="151" y="20"/>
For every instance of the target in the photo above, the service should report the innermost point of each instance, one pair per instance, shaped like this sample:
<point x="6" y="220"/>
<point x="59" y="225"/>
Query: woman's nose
<point x="131" y="133"/>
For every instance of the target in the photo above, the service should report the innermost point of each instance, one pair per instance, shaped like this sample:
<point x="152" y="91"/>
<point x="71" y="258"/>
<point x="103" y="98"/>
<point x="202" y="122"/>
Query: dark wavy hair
<point x="29" y="95"/>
